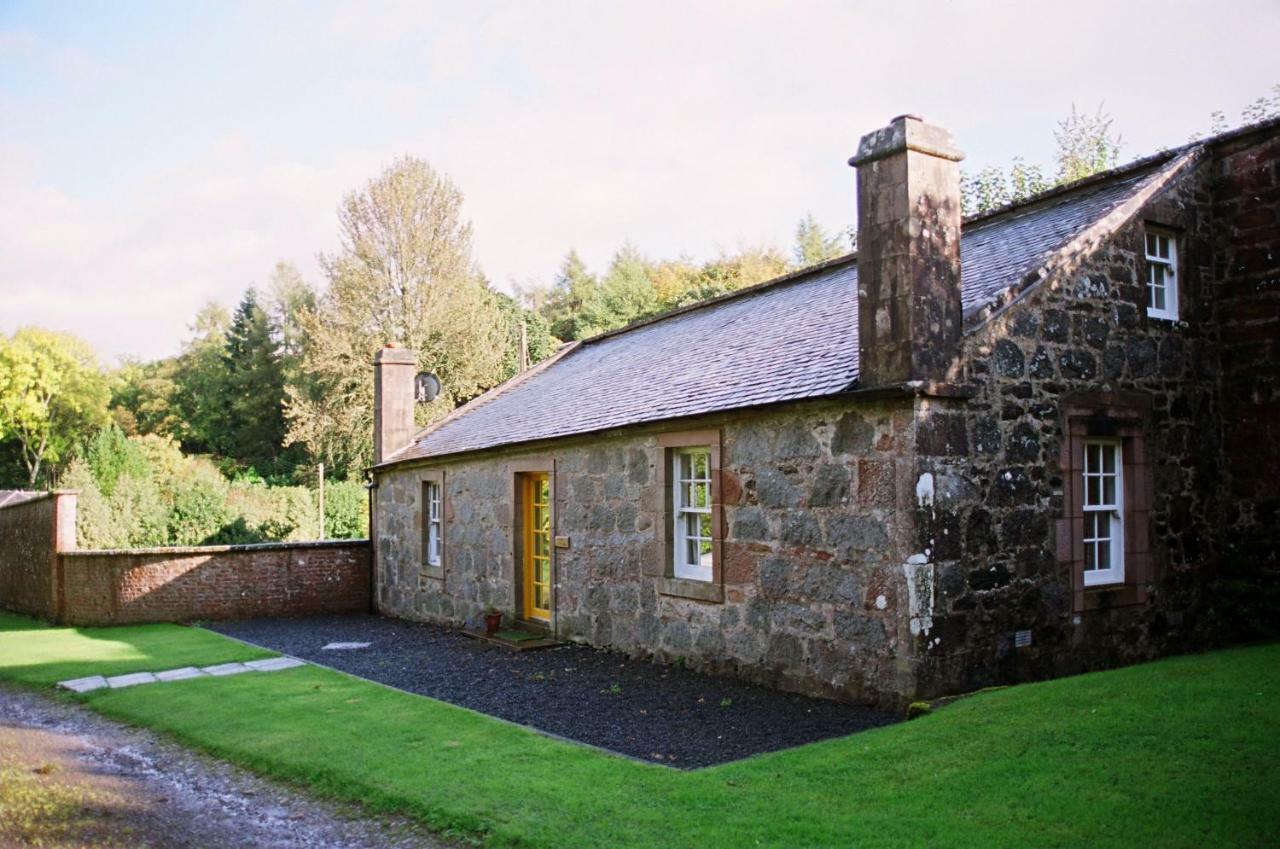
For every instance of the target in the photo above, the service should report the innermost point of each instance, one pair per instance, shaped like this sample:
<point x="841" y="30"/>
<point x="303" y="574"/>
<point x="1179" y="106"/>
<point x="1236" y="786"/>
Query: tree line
<point x="259" y="395"/>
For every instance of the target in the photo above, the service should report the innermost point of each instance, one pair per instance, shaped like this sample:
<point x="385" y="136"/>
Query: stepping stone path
<point x="116" y="682"/>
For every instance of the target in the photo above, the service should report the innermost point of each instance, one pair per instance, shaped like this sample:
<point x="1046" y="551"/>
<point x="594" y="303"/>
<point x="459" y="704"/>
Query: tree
<point x="813" y="245"/>
<point x="252" y="426"/>
<point x="1086" y="145"/>
<point x="142" y="398"/>
<point x="562" y="302"/>
<point x="199" y="380"/>
<point x="538" y="340"/>
<point x="290" y="297"/>
<point x="990" y="189"/>
<point x="404" y="273"/>
<point x="624" y="295"/>
<point x="1261" y="109"/>
<point x="52" y="392"/>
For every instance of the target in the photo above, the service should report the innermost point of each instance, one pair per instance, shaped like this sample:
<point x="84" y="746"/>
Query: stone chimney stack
<point x="909" y="312"/>
<point x="393" y="371"/>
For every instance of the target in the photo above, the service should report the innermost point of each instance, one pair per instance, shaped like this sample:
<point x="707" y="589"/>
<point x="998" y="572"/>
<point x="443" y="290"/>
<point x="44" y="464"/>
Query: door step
<point x="515" y="639"/>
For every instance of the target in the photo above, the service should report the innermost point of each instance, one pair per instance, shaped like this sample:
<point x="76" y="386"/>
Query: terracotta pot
<point x="492" y="622"/>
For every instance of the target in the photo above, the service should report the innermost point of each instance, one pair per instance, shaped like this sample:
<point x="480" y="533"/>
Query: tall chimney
<point x="909" y="312"/>
<point x="393" y="372"/>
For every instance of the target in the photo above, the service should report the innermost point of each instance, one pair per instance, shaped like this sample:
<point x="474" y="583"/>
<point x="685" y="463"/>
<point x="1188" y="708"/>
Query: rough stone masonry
<point x="920" y="531"/>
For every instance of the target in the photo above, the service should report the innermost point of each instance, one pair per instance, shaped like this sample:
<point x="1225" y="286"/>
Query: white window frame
<point x="1096" y="504"/>
<point x="432" y="521"/>
<point x="1167" y="266"/>
<point x="683" y="511"/>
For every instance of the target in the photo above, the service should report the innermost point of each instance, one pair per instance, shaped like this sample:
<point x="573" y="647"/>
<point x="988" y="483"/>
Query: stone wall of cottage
<point x="1246" y="191"/>
<point x="816" y="503"/>
<point x="992" y="522"/>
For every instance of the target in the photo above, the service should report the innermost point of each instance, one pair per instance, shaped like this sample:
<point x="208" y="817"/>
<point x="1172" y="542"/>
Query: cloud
<point x="682" y="127"/>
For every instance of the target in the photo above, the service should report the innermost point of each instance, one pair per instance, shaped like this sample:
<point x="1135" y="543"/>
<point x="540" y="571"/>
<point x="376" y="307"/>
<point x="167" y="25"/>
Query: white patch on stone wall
<point x="924" y="490"/>
<point x="881" y="602"/>
<point x="919" y="574"/>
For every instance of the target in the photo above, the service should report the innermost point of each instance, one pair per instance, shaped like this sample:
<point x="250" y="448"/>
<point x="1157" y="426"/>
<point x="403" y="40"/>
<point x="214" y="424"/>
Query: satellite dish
<point x="426" y="386"/>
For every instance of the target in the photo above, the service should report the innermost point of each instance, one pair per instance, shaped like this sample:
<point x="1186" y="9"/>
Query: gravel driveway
<point x="661" y="714"/>
<point x="71" y="778"/>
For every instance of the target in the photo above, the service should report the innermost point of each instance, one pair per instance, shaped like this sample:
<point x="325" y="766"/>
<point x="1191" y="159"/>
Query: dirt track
<point x="69" y="778"/>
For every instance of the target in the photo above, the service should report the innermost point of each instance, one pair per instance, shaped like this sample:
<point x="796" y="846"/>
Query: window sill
<point x="436" y="572"/>
<point x="696" y="590"/>
<point x="1171" y="317"/>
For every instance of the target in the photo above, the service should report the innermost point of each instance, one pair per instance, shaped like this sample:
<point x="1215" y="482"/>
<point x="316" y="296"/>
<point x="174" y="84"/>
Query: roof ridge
<point x="781" y="280"/>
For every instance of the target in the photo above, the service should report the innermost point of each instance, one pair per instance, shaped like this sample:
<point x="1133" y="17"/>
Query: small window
<point x="431" y="522"/>
<point x="691" y="500"/>
<point x="1103" y="513"/>
<point x="1162" y="275"/>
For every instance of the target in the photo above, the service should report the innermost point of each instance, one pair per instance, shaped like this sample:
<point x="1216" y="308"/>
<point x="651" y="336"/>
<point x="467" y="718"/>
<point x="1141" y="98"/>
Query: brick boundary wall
<point x="31" y="534"/>
<point x="41" y="573"/>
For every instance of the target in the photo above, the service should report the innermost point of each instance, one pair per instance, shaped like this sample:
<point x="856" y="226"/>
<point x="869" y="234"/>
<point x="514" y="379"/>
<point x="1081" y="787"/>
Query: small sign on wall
<point x="562" y="542"/>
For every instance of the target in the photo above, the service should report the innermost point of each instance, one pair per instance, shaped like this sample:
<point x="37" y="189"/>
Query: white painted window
<point x="1162" y="275"/>
<point x="431" y="521"/>
<point x="1103" y="512"/>
<point x="691" y="503"/>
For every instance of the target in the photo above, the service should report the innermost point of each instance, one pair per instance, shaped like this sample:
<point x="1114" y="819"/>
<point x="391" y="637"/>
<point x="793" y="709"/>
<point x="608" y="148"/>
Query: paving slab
<point x="84" y="685"/>
<point x="179" y="674"/>
<point x="226" y="669"/>
<point x="344" y="646"/>
<point x="117" y="682"/>
<point x="275" y="664"/>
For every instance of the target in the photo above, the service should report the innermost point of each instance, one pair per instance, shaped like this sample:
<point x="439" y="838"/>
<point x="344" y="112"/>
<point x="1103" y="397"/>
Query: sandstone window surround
<point x="1106" y="502"/>
<point x="688" y="476"/>
<point x="432" y="524"/>
<point x="1162" y="273"/>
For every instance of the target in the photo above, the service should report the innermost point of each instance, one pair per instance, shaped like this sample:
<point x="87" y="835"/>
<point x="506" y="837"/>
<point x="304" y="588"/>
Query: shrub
<point x="95" y="526"/>
<point x="346" y="510"/>
<point x="199" y="506"/>
<point x="918" y="709"/>
<point x="111" y="456"/>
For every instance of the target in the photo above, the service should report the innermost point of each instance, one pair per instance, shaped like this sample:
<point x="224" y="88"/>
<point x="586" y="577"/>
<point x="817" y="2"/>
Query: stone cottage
<point x="1019" y="445"/>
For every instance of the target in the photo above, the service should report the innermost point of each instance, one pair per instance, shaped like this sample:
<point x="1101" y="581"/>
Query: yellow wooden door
<point x="537" y="547"/>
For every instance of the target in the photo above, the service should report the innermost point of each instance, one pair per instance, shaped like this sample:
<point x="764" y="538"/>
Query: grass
<point x="1182" y="752"/>
<point x="31" y="653"/>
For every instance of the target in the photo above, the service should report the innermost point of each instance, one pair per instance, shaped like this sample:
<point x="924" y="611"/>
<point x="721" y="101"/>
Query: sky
<point x="156" y="156"/>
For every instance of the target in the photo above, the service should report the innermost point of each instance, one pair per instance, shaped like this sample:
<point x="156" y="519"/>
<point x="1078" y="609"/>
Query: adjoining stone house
<point x="1018" y="446"/>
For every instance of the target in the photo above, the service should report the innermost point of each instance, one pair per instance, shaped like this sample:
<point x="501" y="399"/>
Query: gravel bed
<point x="661" y="714"/>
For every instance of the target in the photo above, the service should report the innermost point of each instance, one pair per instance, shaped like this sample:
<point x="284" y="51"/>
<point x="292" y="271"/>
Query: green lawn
<point x="1183" y="752"/>
<point x="32" y="653"/>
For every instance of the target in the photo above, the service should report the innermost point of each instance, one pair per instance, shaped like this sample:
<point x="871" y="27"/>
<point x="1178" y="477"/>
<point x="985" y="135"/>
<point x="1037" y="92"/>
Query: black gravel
<point x="661" y="714"/>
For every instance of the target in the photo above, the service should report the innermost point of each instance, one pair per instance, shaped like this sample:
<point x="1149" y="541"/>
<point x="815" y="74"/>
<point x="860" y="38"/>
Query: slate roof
<point x="791" y="339"/>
